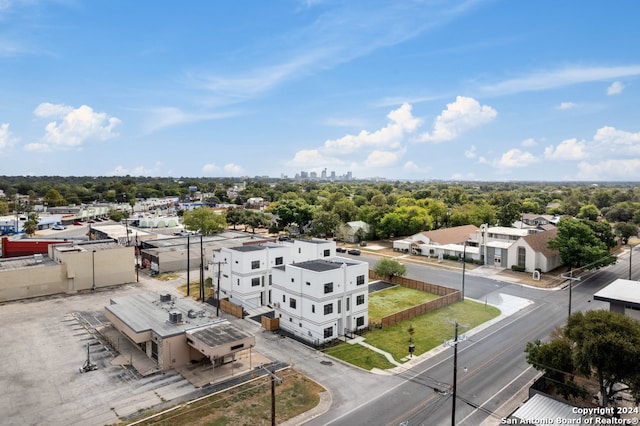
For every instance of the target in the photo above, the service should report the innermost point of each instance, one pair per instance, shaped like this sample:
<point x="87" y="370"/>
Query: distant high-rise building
<point x="323" y="176"/>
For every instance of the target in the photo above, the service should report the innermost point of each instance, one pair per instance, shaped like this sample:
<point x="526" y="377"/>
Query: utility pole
<point x="218" y="287"/>
<point x="464" y="266"/>
<point x="630" y="254"/>
<point x="571" y="279"/>
<point x="188" y="266"/>
<point x="454" y="387"/>
<point x="201" y="271"/>
<point x="273" y="393"/>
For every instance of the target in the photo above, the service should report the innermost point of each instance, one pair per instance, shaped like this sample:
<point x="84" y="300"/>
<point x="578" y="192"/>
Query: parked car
<point x="91" y="221"/>
<point x="341" y="250"/>
<point x="77" y="223"/>
<point x="58" y="227"/>
<point x="355" y="252"/>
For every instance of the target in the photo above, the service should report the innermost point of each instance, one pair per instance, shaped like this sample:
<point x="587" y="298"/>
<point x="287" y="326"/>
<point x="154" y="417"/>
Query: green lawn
<point x="395" y="299"/>
<point x="360" y="356"/>
<point x="431" y="329"/>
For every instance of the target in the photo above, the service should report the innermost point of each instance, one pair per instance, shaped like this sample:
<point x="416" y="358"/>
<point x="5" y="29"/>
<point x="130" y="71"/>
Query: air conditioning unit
<point x="166" y="297"/>
<point x="175" y="317"/>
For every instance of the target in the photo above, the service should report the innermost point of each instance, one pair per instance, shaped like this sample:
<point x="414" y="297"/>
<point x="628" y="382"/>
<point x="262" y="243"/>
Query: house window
<point x="284" y="298"/>
<point x="292" y="303"/>
<point x="522" y="256"/>
<point x="328" y="332"/>
<point x="328" y="288"/>
<point x="348" y="303"/>
<point x="255" y="282"/>
<point x="255" y="264"/>
<point x="279" y="260"/>
<point x="360" y="299"/>
<point x="238" y="281"/>
<point x="313" y="309"/>
<point x="360" y="280"/>
<point x="328" y="308"/>
<point x="327" y="253"/>
<point x="339" y="306"/>
<point x="359" y="321"/>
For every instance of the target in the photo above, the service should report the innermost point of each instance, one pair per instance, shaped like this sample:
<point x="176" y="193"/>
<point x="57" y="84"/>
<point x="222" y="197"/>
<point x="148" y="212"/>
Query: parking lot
<point x="44" y="346"/>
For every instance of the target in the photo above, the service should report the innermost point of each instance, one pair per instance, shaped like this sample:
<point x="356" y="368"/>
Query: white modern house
<point x="243" y="272"/>
<point x="322" y="299"/>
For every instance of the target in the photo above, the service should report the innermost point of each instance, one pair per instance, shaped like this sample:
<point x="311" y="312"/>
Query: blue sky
<point x="455" y="90"/>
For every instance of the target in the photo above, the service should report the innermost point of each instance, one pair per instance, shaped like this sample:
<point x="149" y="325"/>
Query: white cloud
<point x="566" y="105"/>
<point x="210" y="169"/>
<point x="559" y="78"/>
<point x="529" y="142"/>
<point x="233" y="169"/>
<point x="412" y="167"/>
<point x="611" y="136"/>
<point x="460" y="116"/>
<point x="624" y="169"/>
<point x="381" y="159"/>
<point x="514" y="158"/>
<point x="37" y="147"/>
<point x="471" y="152"/>
<point x="615" y="89"/>
<point x="569" y="149"/>
<point x="6" y="138"/>
<point x="139" y="170"/>
<point x="73" y="127"/>
<point x="402" y="122"/>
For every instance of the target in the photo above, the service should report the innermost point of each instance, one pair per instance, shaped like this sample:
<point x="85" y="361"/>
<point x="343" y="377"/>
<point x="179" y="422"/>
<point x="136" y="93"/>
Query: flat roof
<point x="321" y="265"/>
<point x="24" y="262"/>
<point x="621" y="290"/>
<point x="219" y="334"/>
<point x="146" y="312"/>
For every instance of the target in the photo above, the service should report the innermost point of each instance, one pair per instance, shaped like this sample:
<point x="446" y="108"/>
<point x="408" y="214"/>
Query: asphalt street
<point x="492" y="370"/>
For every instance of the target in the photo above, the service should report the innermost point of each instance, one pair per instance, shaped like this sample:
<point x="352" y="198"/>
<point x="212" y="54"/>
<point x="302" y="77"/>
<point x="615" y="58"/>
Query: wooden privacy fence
<point x="447" y="296"/>
<point x="231" y="308"/>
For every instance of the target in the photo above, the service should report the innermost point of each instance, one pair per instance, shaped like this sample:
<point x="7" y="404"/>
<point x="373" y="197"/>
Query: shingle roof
<point x="538" y="242"/>
<point x="455" y="235"/>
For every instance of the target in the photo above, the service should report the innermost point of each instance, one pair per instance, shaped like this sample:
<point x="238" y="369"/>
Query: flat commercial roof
<point x="621" y="291"/>
<point x="219" y="334"/>
<point x="146" y="312"/>
<point x="26" y="262"/>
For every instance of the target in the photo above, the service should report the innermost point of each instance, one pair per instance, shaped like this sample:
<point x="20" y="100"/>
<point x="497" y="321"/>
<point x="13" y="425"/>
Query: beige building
<point x="69" y="268"/>
<point x="173" y="332"/>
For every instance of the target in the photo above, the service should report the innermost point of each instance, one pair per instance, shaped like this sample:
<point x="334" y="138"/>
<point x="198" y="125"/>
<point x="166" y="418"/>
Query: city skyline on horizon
<point x="468" y="90"/>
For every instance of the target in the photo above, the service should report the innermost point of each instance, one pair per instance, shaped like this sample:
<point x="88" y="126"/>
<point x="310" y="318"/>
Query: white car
<point x="58" y="227"/>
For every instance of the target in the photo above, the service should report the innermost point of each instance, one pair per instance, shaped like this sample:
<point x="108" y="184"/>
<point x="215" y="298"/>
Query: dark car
<point x="341" y="250"/>
<point x="77" y="223"/>
<point x="355" y="252"/>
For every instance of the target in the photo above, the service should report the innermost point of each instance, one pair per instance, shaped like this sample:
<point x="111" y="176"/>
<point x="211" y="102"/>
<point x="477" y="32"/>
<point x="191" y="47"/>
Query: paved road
<point x="495" y="363"/>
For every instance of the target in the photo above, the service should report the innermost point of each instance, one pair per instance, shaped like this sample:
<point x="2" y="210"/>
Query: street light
<point x="93" y="269"/>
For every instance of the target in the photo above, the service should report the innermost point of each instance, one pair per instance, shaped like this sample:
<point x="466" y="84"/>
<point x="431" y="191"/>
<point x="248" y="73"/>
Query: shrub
<point x="518" y="268"/>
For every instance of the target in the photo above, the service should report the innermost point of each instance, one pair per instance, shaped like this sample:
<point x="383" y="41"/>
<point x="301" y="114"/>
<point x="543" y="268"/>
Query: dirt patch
<point x="550" y="279"/>
<point x="249" y="404"/>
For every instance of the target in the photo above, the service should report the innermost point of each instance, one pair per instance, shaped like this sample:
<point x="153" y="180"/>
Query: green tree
<point x="292" y="210"/>
<point x="234" y="216"/>
<point x="626" y="230"/>
<point x="324" y="223"/>
<point x="606" y="345"/>
<point x="54" y="198"/>
<point x="204" y="220"/>
<point x="4" y="208"/>
<point x="30" y="226"/>
<point x="390" y="268"/>
<point x="579" y="246"/>
<point x="589" y="212"/>
<point x="555" y="359"/>
<point x="254" y="219"/>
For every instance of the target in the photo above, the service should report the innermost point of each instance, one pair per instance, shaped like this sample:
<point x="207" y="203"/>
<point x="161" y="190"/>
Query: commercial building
<point x="623" y="297"/>
<point x="174" y="332"/>
<point x="68" y="268"/>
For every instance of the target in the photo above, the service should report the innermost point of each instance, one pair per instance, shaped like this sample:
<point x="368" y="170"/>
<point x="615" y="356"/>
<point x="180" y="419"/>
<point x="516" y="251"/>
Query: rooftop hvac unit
<point x="175" y="317"/>
<point x="166" y="297"/>
<point x="192" y="313"/>
<point x="37" y="258"/>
